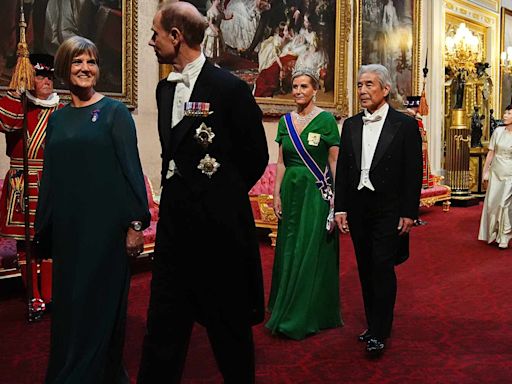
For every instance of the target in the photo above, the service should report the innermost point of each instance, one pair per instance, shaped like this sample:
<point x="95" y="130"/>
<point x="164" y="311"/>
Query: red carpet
<point x="452" y="321"/>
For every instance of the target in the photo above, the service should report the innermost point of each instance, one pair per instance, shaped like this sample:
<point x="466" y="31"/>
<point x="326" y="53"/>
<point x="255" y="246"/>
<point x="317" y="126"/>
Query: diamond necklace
<point x="305" y="118"/>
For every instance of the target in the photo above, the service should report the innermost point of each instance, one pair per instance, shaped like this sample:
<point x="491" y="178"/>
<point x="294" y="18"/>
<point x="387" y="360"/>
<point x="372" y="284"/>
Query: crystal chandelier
<point x="462" y="50"/>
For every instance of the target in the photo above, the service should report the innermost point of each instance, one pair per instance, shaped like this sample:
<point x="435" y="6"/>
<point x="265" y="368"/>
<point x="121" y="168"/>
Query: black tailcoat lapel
<point x="357" y="139"/>
<point x="165" y="100"/>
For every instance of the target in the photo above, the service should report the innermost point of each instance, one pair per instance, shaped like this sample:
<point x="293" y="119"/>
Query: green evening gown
<point x="91" y="189"/>
<point x="304" y="296"/>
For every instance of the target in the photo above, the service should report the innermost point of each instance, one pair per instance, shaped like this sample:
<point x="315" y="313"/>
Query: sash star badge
<point x="204" y="135"/>
<point x="208" y="165"/>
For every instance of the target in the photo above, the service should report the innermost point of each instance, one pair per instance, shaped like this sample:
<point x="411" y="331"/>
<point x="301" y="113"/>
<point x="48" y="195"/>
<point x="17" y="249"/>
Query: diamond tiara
<point x="306" y="71"/>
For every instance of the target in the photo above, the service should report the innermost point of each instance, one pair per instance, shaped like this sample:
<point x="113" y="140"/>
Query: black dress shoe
<point x="375" y="347"/>
<point x="365" y="336"/>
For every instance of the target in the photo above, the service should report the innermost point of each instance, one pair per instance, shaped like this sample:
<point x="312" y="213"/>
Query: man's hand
<point x="341" y="221"/>
<point x="405" y="225"/>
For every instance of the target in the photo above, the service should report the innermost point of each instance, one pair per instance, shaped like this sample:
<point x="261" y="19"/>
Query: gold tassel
<point x="423" y="108"/>
<point x="23" y="77"/>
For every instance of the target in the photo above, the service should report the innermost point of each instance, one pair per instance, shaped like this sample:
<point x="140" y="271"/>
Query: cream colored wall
<point x="146" y="114"/>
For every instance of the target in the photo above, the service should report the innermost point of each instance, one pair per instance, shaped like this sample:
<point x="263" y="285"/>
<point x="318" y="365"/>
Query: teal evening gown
<point x="304" y="296"/>
<point x="91" y="189"/>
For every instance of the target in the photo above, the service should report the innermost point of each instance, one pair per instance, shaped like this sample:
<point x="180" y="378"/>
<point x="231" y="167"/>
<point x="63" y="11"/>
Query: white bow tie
<point x="176" y="77"/>
<point x="371" y="119"/>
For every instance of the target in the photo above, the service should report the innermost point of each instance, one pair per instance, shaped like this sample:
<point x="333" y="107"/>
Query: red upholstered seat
<point x="150" y="232"/>
<point x="265" y="184"/>
<point x="437" y="193"/>
<point x="261" y="199"/>
<point x="436" y="190"/>
<point x="8" y="261"/>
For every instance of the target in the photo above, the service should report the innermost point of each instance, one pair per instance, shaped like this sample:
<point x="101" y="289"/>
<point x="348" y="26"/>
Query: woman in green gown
<point x="93" y="207"/>
<point x="304" y="296"/>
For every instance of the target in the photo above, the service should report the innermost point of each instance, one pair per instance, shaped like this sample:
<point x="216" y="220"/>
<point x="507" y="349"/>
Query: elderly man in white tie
<point x="378" y="183"/>
<point x="206" y="265"/>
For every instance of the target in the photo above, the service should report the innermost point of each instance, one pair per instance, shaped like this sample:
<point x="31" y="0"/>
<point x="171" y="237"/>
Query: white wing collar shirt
<point x="185" y="82"/>
<point x="372" y="127"/>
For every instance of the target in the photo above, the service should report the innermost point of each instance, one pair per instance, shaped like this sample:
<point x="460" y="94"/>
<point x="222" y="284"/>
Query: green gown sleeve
<point x="281" y="130"/>
<point x="125" y="145"/>
<point x="331" y="134"/>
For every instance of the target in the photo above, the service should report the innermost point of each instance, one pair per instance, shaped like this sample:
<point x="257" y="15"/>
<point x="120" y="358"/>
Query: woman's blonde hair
<point x="68" y="50"/>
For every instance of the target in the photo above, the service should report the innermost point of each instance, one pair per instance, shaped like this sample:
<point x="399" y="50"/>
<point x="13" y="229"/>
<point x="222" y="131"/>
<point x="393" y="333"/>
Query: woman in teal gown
<point x="92" y="206"/>
<point x="304" y="296"/>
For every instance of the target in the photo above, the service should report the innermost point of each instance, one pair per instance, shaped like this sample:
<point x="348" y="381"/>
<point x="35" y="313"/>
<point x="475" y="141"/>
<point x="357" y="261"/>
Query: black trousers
<point x="373" y="221"/>
<point x="191" y="284"/>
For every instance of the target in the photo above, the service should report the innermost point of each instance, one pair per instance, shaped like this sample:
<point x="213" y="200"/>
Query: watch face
<point x="137" y="226"/>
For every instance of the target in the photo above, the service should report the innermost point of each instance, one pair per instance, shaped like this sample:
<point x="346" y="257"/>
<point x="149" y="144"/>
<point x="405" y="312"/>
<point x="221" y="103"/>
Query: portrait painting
<point x="388" y="34"/>
<point x="263" y="41"/>
<point x="506" y="78"/>
<point x="108" y="23"/>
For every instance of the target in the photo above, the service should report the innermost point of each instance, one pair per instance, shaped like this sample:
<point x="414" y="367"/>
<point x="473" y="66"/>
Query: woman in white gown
<point x="213" y="42"/>
<point x="239" y="31"/>
<point x="300" y="42"/>
<point x="495" y="224"/>
<point x="315" y="58"/>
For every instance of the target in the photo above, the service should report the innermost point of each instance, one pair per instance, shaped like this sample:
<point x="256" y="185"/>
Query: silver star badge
<point x="208" y="165"/>
<point x="204" y="135"/>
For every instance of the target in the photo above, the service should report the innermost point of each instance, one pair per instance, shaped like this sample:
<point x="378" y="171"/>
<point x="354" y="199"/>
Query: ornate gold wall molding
<point x="471" y="11"/>
<point x="492" y="5"/>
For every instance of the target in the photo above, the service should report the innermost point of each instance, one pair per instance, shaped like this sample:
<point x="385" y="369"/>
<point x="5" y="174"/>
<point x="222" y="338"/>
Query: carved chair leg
<point x="273" y="236"/>
<point x="446" y="206"/>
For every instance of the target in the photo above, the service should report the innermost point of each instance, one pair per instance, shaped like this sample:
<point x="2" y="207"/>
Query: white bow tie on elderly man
<point x="176" y="77"/>
<point x="371" y="119"/>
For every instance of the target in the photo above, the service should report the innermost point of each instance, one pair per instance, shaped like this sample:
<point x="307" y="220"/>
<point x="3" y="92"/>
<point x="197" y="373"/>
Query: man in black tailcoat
<point x="378" y="183"/>
<point x="207" y="265"/>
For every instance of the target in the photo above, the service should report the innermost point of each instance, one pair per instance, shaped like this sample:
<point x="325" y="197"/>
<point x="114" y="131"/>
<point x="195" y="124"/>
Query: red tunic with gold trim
<point x="11" y="122"/>
<point x="428" y="180"/>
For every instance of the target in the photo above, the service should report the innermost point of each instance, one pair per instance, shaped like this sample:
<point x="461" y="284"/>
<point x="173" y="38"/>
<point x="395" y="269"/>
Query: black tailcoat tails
<point x="373" y="216"/>
<point x="207" y="265"/>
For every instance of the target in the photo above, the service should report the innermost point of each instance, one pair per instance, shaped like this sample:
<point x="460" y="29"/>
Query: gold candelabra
<point x="462" y="50"/>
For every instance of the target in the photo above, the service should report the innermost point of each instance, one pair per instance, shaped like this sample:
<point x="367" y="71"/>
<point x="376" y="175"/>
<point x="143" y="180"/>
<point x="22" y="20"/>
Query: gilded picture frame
<point x="112" y="26"/>
<point x="505" y="78"/>
<point x="387" y="32"/>
<point x="330" y="22"/>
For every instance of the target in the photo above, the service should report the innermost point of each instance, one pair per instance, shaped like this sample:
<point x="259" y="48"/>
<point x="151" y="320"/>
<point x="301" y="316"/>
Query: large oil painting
<point x="263" y="41"/>
<point x="110" y="24"/>
<point x="506" y="41"/>
<point x="387" y="33"/>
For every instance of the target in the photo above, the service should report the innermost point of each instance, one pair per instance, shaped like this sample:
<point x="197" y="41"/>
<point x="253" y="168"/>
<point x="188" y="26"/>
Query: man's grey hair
<point x="381" y="72"/>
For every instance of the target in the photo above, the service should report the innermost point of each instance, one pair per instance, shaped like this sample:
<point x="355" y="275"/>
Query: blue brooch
<point x="95" y="114"/>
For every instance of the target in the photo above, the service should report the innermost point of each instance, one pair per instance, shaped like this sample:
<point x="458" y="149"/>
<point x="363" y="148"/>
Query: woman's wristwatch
<point x="136" y="226"/>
